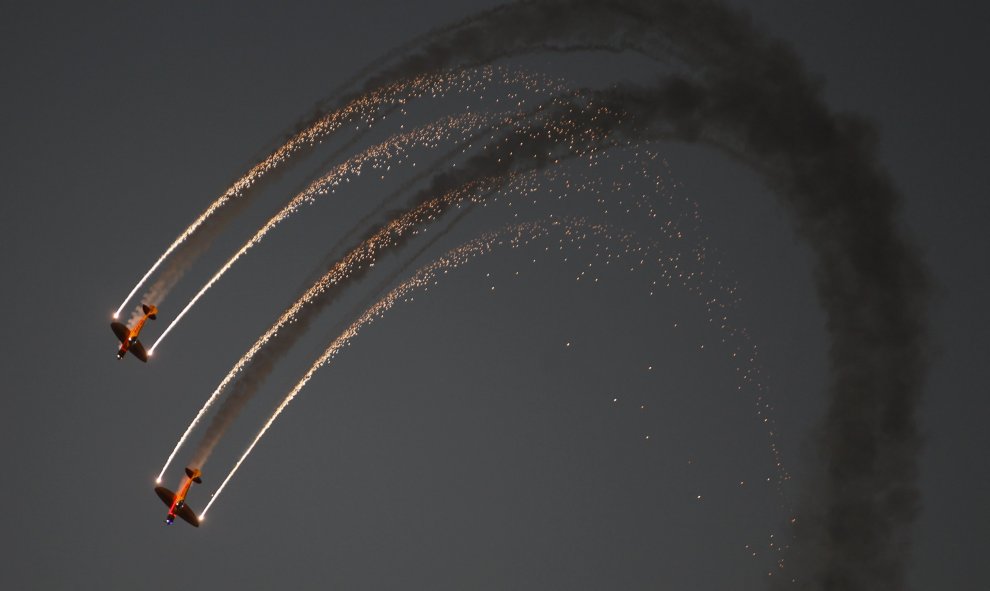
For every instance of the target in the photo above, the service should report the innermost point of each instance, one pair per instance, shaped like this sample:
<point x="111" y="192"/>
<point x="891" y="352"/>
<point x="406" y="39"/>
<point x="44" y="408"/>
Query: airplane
<point x="177" y="502"/>
<point x="129" y="336"/>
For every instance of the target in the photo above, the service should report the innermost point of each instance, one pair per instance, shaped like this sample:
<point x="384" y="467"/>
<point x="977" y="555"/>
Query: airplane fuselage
<point x="128" y="337"/>
<point x="179" y="501"/>
<point x="132" y="336"/>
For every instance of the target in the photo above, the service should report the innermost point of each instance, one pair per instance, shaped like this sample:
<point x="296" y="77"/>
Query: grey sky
<point x="459" y="443"/>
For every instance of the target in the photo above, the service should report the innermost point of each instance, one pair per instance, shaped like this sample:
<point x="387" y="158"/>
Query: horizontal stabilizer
<point x="150" y="311"/>
<point x="194" y="475"/>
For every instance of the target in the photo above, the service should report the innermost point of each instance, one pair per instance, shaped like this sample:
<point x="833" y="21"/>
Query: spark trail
<point x="424" y="137"/>
<point x="366" y="108"/>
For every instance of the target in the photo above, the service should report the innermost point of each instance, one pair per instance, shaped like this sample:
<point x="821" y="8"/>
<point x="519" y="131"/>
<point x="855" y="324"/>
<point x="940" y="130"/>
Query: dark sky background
<point x="474" y="438"/>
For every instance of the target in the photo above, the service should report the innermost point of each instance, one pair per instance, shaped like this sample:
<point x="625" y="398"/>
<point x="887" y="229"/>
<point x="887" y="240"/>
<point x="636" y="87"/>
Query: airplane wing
<point x="138" y="349"/>
<point x="188" y="514"/>
<point x="120" y="330"/>
<point x="165" y="495"/>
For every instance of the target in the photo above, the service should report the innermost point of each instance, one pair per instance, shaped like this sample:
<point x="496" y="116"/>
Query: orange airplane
<point x="177" y="502"/>
<point x="129" y="336"/>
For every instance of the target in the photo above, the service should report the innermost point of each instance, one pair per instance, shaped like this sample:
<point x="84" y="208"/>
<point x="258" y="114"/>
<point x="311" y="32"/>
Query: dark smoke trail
<point x="747" y="94"/>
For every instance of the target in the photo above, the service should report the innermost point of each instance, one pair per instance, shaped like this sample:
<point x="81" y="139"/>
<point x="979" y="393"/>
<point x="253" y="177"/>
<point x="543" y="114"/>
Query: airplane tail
<point x="195" y="475"/>
<point x="151" y="311"/>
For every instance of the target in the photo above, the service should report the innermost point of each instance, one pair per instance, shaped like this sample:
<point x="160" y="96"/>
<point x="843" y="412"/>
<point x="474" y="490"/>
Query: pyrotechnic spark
<point x="366" y="109"/>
